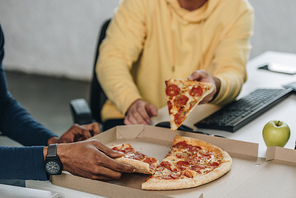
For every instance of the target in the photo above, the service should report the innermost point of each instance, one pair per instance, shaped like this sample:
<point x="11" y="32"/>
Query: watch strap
<point x="52" y="150"/>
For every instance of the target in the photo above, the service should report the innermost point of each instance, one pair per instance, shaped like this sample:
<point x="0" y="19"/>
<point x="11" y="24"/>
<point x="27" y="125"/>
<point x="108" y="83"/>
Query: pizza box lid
<point x="249" y="175"/>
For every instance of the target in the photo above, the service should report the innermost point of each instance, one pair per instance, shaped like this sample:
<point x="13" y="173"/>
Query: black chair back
<point x="97" y="95"/>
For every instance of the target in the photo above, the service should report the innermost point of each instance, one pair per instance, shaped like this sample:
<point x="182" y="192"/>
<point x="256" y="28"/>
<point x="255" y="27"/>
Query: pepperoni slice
<point x="171" y="176"/>
<point x="172" y="90"/>
<point x="182" y="144"/>
<point x="182" y="163"/>
<point x="196" y="91"/>
<point x="129" y="150"/>
<point x="193" y="148"/>
<point x="165" y="164"/>
<point x="150" y="160"/>
<point x="215" y="164"/>
<point x="117" y="149"/>
<point x="197" y="167"/>
<point x="180" y="100"/>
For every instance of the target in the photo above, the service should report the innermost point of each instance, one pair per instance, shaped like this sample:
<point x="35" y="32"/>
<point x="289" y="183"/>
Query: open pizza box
<point x="249" y="176"/>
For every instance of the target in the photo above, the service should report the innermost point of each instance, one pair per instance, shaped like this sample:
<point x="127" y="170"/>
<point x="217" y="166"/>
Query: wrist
<point x="44" y="152"/>
<point x="52" y="162"/>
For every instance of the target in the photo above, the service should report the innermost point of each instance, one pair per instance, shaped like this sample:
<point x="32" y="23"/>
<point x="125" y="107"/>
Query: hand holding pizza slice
<point x="182" y="97"/>
<point x="143" y="163"/>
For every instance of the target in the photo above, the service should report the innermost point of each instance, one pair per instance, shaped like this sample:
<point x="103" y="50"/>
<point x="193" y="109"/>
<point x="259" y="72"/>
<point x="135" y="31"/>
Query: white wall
<point x="275" y="26"/>
<point x="58" y="37"/>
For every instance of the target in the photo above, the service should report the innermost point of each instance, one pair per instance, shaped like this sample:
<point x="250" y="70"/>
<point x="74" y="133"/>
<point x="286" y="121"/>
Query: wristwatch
<point x="52" y="163"/>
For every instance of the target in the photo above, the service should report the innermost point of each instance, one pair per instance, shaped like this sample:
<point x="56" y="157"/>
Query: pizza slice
<point x="182" y="97"/>
<point x="141" y="162"/>
<point x="189" y="163"/>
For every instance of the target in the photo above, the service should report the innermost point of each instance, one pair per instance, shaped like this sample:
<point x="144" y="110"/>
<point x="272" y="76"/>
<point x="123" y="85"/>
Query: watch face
<point x="52" y="167"/>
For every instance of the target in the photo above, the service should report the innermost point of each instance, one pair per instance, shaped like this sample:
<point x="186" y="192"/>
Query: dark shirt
<point x="16" y="123"/>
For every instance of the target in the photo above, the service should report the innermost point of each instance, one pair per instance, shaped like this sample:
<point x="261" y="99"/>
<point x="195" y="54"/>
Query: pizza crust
<point x="141" y="167"/>
<point x="198" y="179"/>
<point x="159" y="184"/>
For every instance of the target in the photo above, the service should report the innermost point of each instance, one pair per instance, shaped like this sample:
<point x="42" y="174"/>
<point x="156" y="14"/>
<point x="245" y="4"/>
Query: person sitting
<point x="86" y="158"/>
<point x="148" y="42"/>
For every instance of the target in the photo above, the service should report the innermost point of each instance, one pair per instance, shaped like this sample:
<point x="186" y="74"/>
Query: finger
<point x="106" y="150"/>
<point x="126" y="121"/>
<point x="142" y="116"/>
<point x="81" y="132"/>
<point x="117" y="166"/>
<point x="135" y="118"/>
<point x="86" y="133"/>
<point x="198" y="75"/>
<point x="194" y="76"/>
<point x="152" y="110"/>
<point x="94" y="128"/>
<point x="110" y="163"/>
<point x="107" y="173"/>
<point x="130" y="120"/>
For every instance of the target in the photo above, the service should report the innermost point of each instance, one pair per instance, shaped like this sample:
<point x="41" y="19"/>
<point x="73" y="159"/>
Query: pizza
<point x="189" y="163"/>
<point x="182" y="97"/>
<point x="141" y="162"/>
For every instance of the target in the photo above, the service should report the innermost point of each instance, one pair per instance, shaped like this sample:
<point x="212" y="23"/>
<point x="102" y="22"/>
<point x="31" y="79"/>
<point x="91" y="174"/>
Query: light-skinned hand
<point x="140" y="112"/>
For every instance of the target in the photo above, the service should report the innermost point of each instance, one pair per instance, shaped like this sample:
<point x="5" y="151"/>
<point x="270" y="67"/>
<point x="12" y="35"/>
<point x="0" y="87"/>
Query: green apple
<point x="276" y="133"/>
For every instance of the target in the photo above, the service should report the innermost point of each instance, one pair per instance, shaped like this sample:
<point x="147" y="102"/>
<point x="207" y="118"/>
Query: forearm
<point x="22" y="163"/>
<point x="230" y="87"/>
<point x="119" y="51"/>
<point x="231" y="58"/>
<point x="19" y="125"/>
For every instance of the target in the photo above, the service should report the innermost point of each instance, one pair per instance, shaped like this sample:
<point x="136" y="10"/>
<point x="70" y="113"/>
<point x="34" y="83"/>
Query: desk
<point x="252" y="132"/>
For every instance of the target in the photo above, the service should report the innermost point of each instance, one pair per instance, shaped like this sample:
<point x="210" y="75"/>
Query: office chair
<point x="83" y="113"/>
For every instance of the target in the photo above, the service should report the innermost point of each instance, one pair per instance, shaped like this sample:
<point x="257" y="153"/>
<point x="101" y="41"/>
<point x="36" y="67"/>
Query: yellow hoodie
<point x="150" y="41"/>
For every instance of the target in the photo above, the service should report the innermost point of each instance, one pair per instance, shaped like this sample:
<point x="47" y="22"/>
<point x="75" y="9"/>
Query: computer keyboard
<point x="239" y="113"/>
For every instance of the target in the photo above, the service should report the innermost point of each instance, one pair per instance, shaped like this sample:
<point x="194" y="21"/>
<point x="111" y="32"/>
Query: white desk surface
<point x="252" y="132"/>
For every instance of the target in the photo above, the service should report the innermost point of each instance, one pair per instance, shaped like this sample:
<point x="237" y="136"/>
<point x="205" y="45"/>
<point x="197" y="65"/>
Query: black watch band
<point x="52" y="150"/>
<point x="52" y="163"/>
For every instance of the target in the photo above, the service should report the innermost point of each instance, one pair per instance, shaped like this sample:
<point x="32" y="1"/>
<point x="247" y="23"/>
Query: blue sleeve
<point x="24" y="163"/>
<point x="15" y="121"/>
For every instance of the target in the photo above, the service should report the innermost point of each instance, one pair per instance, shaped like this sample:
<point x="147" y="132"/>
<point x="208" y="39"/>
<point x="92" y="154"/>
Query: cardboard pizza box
<point x="249" y="176"/>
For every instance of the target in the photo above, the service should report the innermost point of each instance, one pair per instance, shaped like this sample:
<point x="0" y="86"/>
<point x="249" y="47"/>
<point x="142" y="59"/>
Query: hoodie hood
<point x="195" y="16"/>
